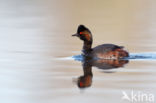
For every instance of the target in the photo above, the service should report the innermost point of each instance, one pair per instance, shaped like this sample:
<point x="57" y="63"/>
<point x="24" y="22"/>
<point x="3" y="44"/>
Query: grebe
<point x="104" y="51"/>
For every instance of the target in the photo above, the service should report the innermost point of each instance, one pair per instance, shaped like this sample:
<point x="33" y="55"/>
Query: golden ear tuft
<point x="87" y="37"/>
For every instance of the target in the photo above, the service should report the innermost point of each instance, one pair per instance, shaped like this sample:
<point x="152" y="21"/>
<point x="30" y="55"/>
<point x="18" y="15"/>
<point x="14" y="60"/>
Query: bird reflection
<point x="85" y="80"/>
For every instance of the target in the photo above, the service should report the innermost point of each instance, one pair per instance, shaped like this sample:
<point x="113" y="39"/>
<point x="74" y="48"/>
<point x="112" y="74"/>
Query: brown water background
<point x="35" y="39"/>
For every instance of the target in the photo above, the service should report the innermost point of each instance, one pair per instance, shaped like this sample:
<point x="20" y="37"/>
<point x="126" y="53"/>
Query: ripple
<point x="136" y="56"/>
<point x="142" y="56"/>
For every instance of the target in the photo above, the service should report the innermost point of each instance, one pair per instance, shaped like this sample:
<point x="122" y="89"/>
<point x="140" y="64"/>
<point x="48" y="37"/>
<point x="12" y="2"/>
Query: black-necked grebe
<point x="104" y="51"/>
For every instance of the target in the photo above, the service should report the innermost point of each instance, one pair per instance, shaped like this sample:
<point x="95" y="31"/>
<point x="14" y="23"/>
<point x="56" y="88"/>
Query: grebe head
<point x="83" y="33"/>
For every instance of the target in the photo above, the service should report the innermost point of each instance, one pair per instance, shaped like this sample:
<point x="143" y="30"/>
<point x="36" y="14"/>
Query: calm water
<point x="36" y="49"/>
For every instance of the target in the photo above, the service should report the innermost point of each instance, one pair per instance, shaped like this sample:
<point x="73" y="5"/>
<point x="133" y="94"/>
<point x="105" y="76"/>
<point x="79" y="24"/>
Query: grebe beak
<point x="75" y="34"/>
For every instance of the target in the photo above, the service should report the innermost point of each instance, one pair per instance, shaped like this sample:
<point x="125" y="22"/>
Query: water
<point x="36" y="50"/>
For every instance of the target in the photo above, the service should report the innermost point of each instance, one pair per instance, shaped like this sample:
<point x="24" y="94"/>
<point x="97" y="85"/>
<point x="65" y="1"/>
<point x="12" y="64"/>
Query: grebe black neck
<point x="87" y="47"/>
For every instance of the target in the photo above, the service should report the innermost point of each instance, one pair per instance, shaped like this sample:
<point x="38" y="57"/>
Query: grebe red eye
<point x="81" y="33"/>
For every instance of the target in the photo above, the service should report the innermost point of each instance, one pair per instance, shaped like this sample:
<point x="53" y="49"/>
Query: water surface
<point x="36" y="49"/>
